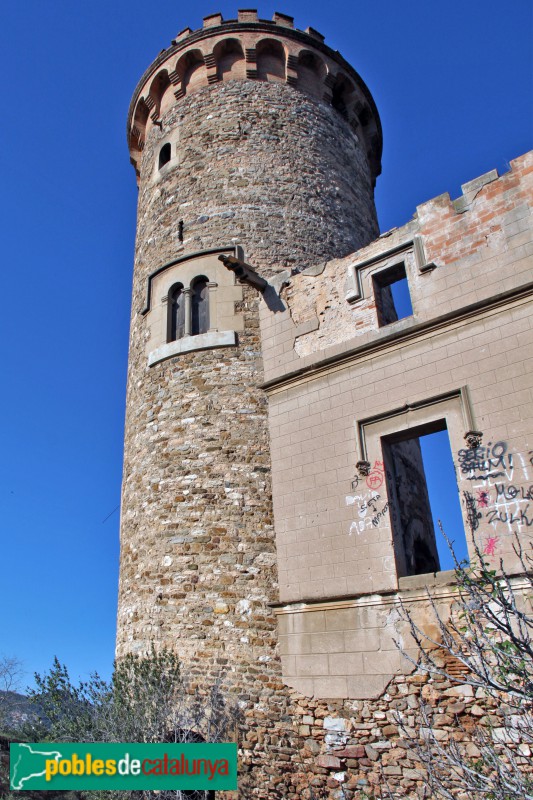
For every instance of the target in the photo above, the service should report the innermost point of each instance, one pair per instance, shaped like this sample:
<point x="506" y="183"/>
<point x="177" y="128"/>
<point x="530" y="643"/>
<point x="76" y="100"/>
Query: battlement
<point x="249" y="48"/>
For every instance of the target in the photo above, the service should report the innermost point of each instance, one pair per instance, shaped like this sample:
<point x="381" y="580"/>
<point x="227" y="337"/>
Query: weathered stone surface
<point x="262" y="164"/>
<point x="328" y="762"/>
<point x="352" y="751"/>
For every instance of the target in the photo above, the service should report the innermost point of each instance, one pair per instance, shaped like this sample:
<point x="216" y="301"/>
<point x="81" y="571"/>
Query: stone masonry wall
<point x="259" y="164"/>
<point x="282" y="174"/>
<point x="197" y="540"/>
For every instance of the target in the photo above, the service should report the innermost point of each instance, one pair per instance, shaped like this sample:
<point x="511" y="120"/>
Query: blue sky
<point x="452" y="82"/>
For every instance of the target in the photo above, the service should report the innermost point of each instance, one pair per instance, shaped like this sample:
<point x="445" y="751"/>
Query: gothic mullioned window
<point x="188" y="309"/>
<point x="191" y="305"/>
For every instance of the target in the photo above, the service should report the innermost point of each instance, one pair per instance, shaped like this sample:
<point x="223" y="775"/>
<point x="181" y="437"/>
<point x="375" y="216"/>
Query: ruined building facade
<point x="274" y="502"/>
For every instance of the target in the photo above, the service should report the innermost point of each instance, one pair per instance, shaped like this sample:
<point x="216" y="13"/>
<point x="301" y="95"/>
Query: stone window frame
<point x="187" y="293"/>
<point x="160" y="172"/>
<point x="223" y="293"/>
<point x="455" y="409"/>
<point x="382" y="280"/>
<point x="165" y="155"/>
<point x="410" y="252"/>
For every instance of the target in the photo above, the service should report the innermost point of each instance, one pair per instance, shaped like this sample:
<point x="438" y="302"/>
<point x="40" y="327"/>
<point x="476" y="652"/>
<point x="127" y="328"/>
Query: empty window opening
<point x="176" y="313"/>
<point x="200" y="306"/>
<point x="164" y="155"/>
<point x="391" y="292"/>
<point x="422" y="489"/>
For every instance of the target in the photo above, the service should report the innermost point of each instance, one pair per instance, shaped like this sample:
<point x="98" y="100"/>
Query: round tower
<point x="256" y="142"/>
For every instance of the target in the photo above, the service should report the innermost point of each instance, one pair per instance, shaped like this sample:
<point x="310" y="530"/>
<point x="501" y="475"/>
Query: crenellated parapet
<point x="250" y="48"/>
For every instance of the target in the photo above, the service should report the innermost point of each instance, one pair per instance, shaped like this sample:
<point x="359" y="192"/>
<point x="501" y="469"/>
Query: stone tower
<point x="256" y="149"/>
<point x="253" y="140"/>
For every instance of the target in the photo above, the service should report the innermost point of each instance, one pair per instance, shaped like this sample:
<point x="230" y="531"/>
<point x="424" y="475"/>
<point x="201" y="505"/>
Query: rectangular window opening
<point x="391" y="292"/>
<point x="422" y="490"/>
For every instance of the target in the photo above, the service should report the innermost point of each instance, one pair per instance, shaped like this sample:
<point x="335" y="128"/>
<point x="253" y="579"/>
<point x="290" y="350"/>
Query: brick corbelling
<point x="260" y="27"/>
<point x="359" y="103"/>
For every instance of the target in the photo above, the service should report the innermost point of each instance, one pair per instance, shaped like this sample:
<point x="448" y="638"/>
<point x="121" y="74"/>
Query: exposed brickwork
<point x="330" y="366"/>
<point x="480" y="251"/>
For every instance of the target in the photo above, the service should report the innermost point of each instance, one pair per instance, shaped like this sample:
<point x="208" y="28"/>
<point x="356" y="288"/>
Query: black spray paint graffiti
<point x="484" y="460"/>
<point x="502" y="516"/>
<point x="472" y="513"/>
<point x="496" y="508"/>
<point x="511" y="492"/>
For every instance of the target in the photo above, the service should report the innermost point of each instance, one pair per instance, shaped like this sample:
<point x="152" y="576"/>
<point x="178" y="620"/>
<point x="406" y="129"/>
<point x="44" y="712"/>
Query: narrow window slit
<point x="164" y="155"/>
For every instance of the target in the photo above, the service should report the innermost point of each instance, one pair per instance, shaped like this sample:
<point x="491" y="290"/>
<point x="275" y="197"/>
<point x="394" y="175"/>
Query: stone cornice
<point x="442" y="587"/>
<point x="351" y="355"/>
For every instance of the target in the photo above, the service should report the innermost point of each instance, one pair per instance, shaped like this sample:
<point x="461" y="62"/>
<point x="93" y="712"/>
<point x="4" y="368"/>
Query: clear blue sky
<point x="452" y="82"/>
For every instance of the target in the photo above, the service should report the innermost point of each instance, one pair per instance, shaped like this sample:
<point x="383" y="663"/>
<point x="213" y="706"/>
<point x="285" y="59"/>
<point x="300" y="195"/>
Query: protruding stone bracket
<point x="251" y="60"/>
<point x="292" y="70"/>
<point x="211" y="66"/>
<point x="473" y="439"/>
<point x="363" y="468"/>
<point x="244" y="272"/>
<point x="420" y="257"/>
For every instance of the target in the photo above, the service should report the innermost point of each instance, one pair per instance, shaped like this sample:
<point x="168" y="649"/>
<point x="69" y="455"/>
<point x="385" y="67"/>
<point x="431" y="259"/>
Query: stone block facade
<point x="338" y="390"/>
<point x="274" y="509"/>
